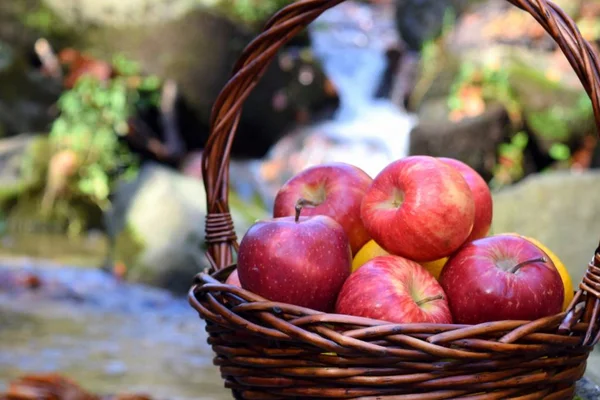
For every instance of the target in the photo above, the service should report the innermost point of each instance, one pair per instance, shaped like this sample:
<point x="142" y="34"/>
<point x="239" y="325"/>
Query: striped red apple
<point x="419" y="208"/>
<point x="484" y="207"/>
<point x="333" y="189"/>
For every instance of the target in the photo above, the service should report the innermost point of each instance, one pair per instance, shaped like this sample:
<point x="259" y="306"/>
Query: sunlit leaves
<point x="93" y="118"/>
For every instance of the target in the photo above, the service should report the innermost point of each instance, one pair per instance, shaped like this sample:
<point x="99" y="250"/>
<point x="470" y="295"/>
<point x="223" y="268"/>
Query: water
<point x="351" y="41"/>
<point x="111" y="337"/>
<point x="107" y="335"/>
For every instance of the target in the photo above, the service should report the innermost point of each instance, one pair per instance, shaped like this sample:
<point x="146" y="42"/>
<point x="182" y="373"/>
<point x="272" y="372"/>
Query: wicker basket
<point x="268" y="350"/>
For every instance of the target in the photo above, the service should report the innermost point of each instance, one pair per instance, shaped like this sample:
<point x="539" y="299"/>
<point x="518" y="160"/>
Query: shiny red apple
<point x="394" y="289"/>
<point x="419" y="208"/>
<point x="300" y="260"/>
<point x="501" y="277"/>
<point x="233" y="279"/>
<point x="484" y="207"/>
<point x="333" y="189"/>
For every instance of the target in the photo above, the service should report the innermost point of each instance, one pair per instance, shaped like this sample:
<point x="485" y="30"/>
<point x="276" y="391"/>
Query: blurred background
<point x="105" y="108"/>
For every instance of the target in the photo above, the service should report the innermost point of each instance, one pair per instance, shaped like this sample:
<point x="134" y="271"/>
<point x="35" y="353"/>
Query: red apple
<point x="481" y="195"/>
<point x="233" y="279"/>
<point x="502" y="277"/>
<point x="394" y="289"/>
<point x="302" y="260"/>
<point x="335" y="190"/>
<point x="419" y="208"/>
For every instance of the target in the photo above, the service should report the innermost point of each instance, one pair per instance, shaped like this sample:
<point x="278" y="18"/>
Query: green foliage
<point x="494" y="83"/>
<point x="435" y="60"/>
<point x="37" y="16"/>
<point x="93" y="117"/>
<point x="555" y="122"/>
<point x="560" y="152"/>
<point x="510" y="167"/>
<point x="252" y="11"/>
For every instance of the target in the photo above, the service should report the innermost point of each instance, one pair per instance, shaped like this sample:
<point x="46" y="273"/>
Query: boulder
<point x="12" y="151"/>
<point x="157" y="226"/>
<point x="197" y="46"/>
<point x="420" y="21"/>
<point x="182" y="33"/>
<point x="472" y="140"/>
<point x="21" y="164"/>
<point x="478" y="63"/>
<point x="560" y="209"/>
<point x="543" y="82"/>
<point x="27" y="96"/>
<point x="23" y="22"/>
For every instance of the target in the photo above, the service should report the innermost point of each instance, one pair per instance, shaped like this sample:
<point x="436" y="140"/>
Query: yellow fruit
<point x="562" y="270"/>
<point x="435" y="267"/>
<point x="372" y="249"/>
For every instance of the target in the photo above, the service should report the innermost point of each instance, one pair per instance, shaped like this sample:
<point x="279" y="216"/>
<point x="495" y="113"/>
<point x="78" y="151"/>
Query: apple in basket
<point x="333" y="189"/>
<point x="501" y="277"/>
<point x="394" y="289"/>
<point x="300" y="260"/>
<point x="419" y="208"/>
<point x="482" y="197"/>
<point x="233" y="279"/>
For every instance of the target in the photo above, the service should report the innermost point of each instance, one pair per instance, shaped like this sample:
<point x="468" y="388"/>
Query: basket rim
<point x="566" y="321"/>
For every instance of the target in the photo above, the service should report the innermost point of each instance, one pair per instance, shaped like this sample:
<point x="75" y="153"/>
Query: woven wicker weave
<point x="268" y="350"/>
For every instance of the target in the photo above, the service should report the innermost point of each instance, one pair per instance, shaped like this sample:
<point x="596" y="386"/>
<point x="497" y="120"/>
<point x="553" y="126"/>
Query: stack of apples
<point x="411" y="245"/>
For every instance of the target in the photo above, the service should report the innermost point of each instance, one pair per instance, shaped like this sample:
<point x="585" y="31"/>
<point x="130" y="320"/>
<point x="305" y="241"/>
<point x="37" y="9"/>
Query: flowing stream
<point x="351" y="41"/>
<point x="106" y="335"/>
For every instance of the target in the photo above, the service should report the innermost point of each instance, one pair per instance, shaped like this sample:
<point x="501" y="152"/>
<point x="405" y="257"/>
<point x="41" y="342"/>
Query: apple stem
<point x="300" y="204"/>
<point x="524" y="263"/>
<point x="428" y="299"/>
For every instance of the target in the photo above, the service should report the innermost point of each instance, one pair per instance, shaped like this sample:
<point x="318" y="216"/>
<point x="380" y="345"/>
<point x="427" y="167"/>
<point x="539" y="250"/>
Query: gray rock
<point x="164" y="213"/>
<point x="172" y="40"/>
<point x="11" y="157"/>
<point x="26" y="96"/>
<point x="592" y="372"/>
<point x="560" y="209"/>
<point x="419" y="21"/>
<point x="472" y="140"/>
<point x="23" y="159"/>
<point x="535" y="82"/>
<point x="196" y="44"/>
<point x="124" y="13"/>
<point x="548" y="92"/>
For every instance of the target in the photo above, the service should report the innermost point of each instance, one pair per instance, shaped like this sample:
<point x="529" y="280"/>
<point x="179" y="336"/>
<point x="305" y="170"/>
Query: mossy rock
<point x="535" y="85"/>
<point x="560" y="209"/>
<point x="26" y="96"/>
<point x="472" y="140"/>
<point x="196" y="44"/>
<point x="157" y="227"/>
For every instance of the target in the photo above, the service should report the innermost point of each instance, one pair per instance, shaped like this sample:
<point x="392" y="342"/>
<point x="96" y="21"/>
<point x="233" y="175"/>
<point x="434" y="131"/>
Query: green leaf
<point x="454" y="102"/>
<point x="520" y="140"/>
<point x="118" y="100"/>
<point x="125" y="66"/>
<point x="59" y="127"/>
<point x="560" y="152"/>
<point x="549" y="124"/>
<point x="69" y="103"/>
<point x="150" y="83"/>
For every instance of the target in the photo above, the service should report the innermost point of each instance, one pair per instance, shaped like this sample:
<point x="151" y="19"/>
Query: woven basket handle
<point x="289" y="21"/>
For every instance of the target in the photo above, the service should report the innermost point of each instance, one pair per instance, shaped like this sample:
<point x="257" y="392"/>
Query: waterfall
<point x="350" y="40"/>
<point x="367" y="131"/>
